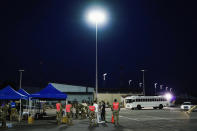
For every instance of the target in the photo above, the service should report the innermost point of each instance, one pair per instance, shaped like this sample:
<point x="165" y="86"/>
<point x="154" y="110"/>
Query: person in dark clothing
<point x="103" y="111"/>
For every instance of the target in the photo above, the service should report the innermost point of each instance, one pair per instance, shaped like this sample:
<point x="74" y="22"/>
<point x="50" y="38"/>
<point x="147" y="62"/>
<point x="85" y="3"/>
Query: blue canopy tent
<point x="49" y="92"/>
<point x="23" y="92"/>
<point x="8" y="93"/>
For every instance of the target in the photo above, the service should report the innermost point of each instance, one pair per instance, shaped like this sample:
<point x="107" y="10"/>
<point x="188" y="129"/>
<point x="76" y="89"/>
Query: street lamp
<point x="130" y="82"/>
<point x="155" y="88"/>
<point x="143" y="82"/>
<point x="21" y="72"/>
<point x="166" y="88"/>
<point x="161" y="87"/>
<point x="96" y="17"/>
<point x="104" y="75"/>
<point x="140" y="84"/>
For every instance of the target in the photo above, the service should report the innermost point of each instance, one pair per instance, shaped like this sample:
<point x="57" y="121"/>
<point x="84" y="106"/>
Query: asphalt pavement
<point x="168" y="119"/>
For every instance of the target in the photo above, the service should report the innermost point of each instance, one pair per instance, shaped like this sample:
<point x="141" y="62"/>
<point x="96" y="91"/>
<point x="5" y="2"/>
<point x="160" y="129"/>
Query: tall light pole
<point x="104" y="76"/>
<point x="21" y="72"/>
<point x="166" y="88"/>
<point x="155" y="88"/>
<point x="96" y="17"/>
<point x="140" y="84"/>
<point x="130" y="82"/>
<point x="143" y="82"/>
<point x="161" y="86"/>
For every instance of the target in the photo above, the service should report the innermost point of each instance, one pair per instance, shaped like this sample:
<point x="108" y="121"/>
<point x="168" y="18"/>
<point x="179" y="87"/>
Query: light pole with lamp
<point x="143" y="82"/>
<point x="21" y="72"/>
<point x="130" y="82"/>
<point x="155" y="88"/>
<point x="140" y="85"/>
<point x="96" y="17"/>
<point x="166" y="88"/>
<point x="161" y="87"/>
<point x="104" y="76"/>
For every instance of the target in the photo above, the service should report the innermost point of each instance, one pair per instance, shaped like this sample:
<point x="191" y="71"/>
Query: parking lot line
<point x="129" y="118"/>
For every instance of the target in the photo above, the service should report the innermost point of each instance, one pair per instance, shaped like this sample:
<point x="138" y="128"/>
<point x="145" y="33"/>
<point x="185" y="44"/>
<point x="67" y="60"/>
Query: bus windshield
<point x="129" y="100"/>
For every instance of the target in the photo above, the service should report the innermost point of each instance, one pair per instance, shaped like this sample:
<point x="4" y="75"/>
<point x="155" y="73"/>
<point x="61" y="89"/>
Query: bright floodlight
<point x="168" y="96"/>
<point x="97" y="16"/>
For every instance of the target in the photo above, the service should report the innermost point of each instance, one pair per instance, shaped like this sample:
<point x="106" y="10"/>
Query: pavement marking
<point x="156" y="118"/>
<point x="129" y="118"/>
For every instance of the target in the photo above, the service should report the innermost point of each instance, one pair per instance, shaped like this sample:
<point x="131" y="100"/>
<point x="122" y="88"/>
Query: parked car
<point x="186" y="106"/>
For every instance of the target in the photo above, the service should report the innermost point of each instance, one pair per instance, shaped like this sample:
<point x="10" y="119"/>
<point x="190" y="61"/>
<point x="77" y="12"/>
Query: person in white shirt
<point x="96" y="111"/>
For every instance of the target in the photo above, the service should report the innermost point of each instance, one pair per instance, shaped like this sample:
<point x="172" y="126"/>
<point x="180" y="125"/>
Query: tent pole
<point x="28" y="106"/>
<point x="20" y="112"/>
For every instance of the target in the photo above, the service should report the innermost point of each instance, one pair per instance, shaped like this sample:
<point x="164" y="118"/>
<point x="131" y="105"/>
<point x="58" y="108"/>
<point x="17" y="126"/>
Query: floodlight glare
<point x="168" y="96"/>
<point x="97" y="16"/>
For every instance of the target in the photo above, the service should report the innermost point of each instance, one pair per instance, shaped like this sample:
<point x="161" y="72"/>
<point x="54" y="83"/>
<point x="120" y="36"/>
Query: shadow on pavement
<point x="63" y="128"/>
<point x="104" y="125"/>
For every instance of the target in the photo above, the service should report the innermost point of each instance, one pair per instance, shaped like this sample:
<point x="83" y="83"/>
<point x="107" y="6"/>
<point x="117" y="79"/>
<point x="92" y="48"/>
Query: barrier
<point x="30" y="120"/>
<point x="64" y="120"/>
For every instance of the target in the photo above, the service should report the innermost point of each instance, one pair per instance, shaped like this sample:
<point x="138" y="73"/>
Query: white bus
<point x="139" y="102"/>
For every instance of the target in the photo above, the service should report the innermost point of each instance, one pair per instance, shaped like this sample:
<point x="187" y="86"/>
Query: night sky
<point x="52" y="41"/>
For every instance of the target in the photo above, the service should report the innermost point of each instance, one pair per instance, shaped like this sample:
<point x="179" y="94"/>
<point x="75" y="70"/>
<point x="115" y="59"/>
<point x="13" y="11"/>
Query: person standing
<point x="4" y="113"/>
<point x="103" y="111"/>
<point x="13" y="110"/>
<point x="92" y="115"/>
<point x="74" y="111"/>
<point x="59" y="112"/>
<point x="86" y="109"/>
<point x="68" y="113"/>
<point x="96" y="111"/>
<point x="116" y="109"/>
<point x="77" y="110"/>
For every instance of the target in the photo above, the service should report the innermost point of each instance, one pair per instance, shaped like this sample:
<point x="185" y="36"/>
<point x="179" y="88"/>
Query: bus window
<point x="129" y="100"/>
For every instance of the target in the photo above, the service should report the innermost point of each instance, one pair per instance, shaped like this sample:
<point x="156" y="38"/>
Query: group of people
<point x="97" y="113"/>
<point x="3" y="114"/>
<point x="8" y="109"/>
<point x="94" y="111"/>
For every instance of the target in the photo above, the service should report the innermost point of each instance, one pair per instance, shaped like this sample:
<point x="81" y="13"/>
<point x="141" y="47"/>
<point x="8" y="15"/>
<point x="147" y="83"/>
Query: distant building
<point x="76" y="93"/>
<point x="108" y="95"/>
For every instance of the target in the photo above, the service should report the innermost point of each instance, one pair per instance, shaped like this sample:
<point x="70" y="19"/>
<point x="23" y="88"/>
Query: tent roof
<point x="8" y="93"/>
<point x="23" y="92"/>
<point x="49" y="92"/>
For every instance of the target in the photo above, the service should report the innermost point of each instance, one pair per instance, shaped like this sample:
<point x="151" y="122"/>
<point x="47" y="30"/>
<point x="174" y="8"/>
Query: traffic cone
<point x="112" y="119"/>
